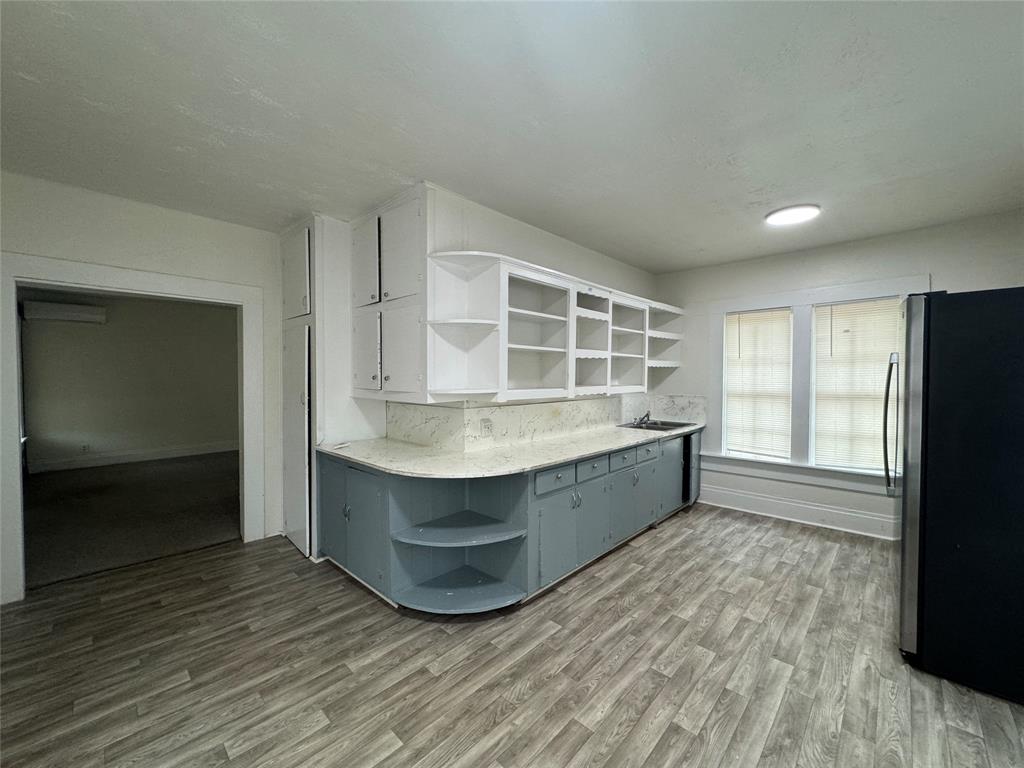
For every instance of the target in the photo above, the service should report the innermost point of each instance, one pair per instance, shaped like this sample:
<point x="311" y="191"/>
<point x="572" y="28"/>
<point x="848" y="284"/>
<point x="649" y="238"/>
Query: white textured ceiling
<point x="657" y="133"/>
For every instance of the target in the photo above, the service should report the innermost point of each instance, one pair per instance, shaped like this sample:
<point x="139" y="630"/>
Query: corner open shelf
<point x="461" y="529"/>
<point x="462" y="590"/>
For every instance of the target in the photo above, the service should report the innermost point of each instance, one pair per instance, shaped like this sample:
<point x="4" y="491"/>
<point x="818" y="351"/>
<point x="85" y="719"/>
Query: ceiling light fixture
<point x="792" y="214"/>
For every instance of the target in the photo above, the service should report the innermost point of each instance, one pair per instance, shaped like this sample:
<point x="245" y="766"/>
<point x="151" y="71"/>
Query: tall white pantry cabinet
<point x="442" y="312"/>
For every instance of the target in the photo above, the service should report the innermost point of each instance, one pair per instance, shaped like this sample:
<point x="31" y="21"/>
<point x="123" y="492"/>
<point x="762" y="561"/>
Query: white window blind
<point x="852" y="342"/>
<point x="758" y="382"/>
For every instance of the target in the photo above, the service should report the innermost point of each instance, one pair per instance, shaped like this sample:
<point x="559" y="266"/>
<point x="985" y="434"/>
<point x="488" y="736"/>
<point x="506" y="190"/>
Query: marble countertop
<point x="400" y="458"/>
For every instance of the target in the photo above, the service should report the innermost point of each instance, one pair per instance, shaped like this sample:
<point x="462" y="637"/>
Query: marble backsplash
<point x="475" y="428"/>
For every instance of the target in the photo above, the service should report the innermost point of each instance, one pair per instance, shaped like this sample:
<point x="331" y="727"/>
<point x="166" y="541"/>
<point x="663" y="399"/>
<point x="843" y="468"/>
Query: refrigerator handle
<point x="890" y="484"/>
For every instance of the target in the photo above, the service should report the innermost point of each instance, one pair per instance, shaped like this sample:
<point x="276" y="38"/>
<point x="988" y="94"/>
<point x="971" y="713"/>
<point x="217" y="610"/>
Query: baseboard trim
<point x="127" y="457"/>
<point x="822" y="515"/>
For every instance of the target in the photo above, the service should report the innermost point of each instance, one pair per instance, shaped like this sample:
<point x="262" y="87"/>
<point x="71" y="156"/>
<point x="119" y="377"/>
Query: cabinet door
<point x="366" y="350"/>
<point x="402" y="251"/>
<point x="557" y="524"/>
<point x="295" y="273"/>
<point x="647" y="505"/>
<point x="622" y="496"/>
<point x="367" y="527"/>
<point x="593" y="519"/>
<point x="692" y="478"/>
<point x="670" y="476"/>
<point x="401" y="345"/>
<point x="366" y="263"/>
<point x="295" y="435"/>
<point x="331" y="510"/>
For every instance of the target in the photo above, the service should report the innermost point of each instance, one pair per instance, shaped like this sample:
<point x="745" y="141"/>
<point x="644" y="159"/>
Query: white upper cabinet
<point x="402" y="250"/>
<point x="366" y="350"/>
<point x="366" y="263"/>
<point x="401" y="349"/>
<point x="438" y="321"/>
<point x="295" y="273"/>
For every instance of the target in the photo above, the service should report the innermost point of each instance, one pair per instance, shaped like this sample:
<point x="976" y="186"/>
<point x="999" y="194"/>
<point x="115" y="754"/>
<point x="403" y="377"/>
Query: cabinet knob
<point x="386" y="294"/>
<point x="387" y="378"/>
<point x="594" y="465"/>
<point x="625" y="458"/>
<point x="558" y="476"/>
<point x="373" y="297"/>
<point x="374" y="377"/>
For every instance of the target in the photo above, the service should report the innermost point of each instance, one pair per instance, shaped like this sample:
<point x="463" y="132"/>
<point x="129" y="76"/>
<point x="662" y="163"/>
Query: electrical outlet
<point x="487" y="427"/>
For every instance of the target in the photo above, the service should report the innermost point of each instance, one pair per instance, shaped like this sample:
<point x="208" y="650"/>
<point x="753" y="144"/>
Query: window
<point x="758" y="382"/>
<point x="852" y="342"/>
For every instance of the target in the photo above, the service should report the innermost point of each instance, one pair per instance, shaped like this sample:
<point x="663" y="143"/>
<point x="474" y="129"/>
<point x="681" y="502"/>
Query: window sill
<point x="859" y="480"/>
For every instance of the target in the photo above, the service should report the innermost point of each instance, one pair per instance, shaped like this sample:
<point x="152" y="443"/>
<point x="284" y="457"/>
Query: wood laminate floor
<point x="718" y="639"/>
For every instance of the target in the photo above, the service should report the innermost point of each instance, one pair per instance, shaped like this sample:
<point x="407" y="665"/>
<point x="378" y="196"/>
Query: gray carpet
<point x="82" y="521"/>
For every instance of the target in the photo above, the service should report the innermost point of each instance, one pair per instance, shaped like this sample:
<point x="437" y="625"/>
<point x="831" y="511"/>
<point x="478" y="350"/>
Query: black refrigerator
<point x="961" y="382"/>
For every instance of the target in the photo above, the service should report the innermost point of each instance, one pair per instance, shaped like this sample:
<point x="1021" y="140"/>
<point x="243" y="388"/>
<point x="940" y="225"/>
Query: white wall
<point x="975" y="254"/>
<point x="43" y="218"/>
<point x="461" y="224"/>
<point x="157" y="379"/>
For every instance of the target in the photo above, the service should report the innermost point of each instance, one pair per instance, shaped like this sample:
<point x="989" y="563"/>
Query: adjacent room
<point x="130" y="430"/>
<point x="511" y="384"/>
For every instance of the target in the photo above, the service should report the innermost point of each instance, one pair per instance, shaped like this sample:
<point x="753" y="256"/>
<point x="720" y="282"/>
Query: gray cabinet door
<point x="622" y="497"/>
<point x="367" y="527"/>
<point x="670" y="476"/>
<point x="331" y="512"/>
<point x="647" y="497"/>
<point x="557" y="523"/>
<point x="691" y="477"/>
<point x="593" y="519"/>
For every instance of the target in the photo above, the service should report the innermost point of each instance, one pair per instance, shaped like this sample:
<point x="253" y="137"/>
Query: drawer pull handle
<point x="594" y="465"/>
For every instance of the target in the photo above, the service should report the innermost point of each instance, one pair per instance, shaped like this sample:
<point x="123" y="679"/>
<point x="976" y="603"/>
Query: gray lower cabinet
<point x="464" y="545"/>
<point x="670" y="476"/>
<point x="621" y="492"/>
<point x="557" y="524"/>
<point x="332" y="514"/>
<point x="593" y="519"/>
<point x="367" y="527"/>
<point x="647" y="499"/>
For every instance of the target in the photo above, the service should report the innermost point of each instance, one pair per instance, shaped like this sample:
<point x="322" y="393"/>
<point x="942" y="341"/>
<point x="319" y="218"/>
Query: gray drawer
<point x="647" y="452"/>
<point x="626" y="458"/>
<point x="553" y="479"/>
<point x="594" y="467"/>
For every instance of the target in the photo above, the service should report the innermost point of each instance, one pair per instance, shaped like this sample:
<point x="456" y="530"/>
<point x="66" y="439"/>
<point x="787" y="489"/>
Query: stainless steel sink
<point x="656" y="425"/>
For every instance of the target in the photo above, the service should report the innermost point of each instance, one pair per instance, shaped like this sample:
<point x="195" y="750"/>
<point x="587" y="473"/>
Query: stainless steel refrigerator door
<point x="915" y="308"/>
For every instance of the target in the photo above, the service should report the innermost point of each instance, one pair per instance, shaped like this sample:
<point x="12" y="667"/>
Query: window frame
<point x="802" y="304"/>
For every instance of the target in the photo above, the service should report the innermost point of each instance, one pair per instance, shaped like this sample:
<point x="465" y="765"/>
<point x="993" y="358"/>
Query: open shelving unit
<point x="592" y="351"/>
<point x="537" y="345"/>
<point x="664" y="343"/>
<point x="628" y="371"/>
<point x="463" y="323"/>
<point x="469" y="560"/>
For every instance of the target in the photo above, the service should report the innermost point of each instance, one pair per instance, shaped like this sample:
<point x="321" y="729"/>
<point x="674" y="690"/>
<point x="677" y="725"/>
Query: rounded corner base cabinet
<point x="454" y="545"/>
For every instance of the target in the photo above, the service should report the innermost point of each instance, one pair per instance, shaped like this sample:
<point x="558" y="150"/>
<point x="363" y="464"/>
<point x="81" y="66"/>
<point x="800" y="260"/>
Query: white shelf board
<point x="664" y="335"/>
<point x="466" y="322"/>
<point x="529" y="313"/>
<point x="626" y="354"/>
<point x="591" y="354"/>
<point x="663" y="363"/>
<point x="591" y="314"/>
<point x="531" y="348"/>
<point x="482" y="391"/>
<point x="618" y="329"/>
<point x="597" y="389"/>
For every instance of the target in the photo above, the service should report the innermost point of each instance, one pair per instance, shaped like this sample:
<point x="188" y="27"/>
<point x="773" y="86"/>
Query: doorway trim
<point x="18" y="269"/>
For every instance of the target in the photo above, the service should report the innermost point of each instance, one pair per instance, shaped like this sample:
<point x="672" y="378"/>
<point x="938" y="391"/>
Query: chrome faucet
<point x="639" y="422"/>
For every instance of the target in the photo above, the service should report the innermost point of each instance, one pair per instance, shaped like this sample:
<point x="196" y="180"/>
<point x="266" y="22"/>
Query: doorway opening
<point x="130" y="429"/>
